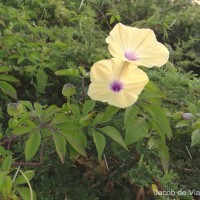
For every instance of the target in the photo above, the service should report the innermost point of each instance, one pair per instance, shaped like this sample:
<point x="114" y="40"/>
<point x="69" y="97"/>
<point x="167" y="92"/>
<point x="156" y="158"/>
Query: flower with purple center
<point x="138" y="46"/>
<point x="116" y="82"/>
<point x="116" y="86"/>
<point x="130" y="56"/>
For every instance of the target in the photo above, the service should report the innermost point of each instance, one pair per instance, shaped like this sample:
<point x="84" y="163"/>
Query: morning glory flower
<point x="116" y="82"/>
<point x="137" y="46"/>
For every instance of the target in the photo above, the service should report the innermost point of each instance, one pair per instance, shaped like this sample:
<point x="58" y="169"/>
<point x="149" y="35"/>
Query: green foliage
<point x="111" y="153"/>
<point x="11" y="181"/>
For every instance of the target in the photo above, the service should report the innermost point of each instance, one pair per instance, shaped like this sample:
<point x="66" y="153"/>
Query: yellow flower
<point x="138" y="46"/>
<point x="154" y="189"/>
<point x="117" y="82"/>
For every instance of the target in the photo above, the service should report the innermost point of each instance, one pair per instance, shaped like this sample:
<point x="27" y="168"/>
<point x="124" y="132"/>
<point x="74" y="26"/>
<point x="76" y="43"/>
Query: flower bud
<point x="15" y="109"/>
<point x="13" y="123"/>
<point x="177" y="115"/>
<point x="68" y="90"/>
<point x="187" y="116"/>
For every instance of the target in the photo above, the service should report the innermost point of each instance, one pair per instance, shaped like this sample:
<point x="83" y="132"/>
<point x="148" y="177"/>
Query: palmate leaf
<point x="32" y="145"/>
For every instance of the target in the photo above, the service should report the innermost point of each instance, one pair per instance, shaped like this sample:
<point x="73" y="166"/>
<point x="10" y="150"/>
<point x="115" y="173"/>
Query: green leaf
<point x="45" y="132"/>
<point x="69" y="125"/>
<point x="22" y="130"/>
<point x="112" y="19"/>
<point x="34" y="57"/>
<point x="158" y="143"/>
<point x="59" y="119"/>
<point x="68" y="72"/>
<point x="118" y="17"/>
<point x="183" y="123"/>
<point x="164" y="156"/>
<point x="50" y="111"/>
<point x="38" y="108"/>
<point x="8" y="89"/>
<point x="195" y="137"/>
<point x="136" y="131"/>
<point x="25" y="193"/>
<point x="4" y="69"/>
<point x="21" y="58"/>
<point x="7" y="163"/>
<point x="75" y="110"/>
<point x="5" y="185"/>
<point x="151" y="91"/>
<point x="130" y="114"/>
<point x="88" y="106"/>
<point x="21" y="180"/>
<point x="9" y="78"/>
<point x="60" y="144"/>
<point x="27" y="104"/>
<point x="75" y="139"/>
<point x="32" y="145"/>
<point x="41" y="79"/>
<point x="109" y="113"/>
<point x="100" y="142"/>
<point x="114" y="134"/>
<point x="159" y="120"/>
<point x="98" y="118"/>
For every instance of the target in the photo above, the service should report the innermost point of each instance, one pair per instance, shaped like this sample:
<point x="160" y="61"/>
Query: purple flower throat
<point x="130" y="55"/>
<point x="116" y="86"/>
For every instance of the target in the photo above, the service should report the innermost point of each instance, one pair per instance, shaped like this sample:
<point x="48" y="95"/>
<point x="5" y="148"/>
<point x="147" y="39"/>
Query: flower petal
<point x="138" y="46"/>
<point x="100" y="72"/>
<point x="123" y="99"/>
<point x="155" y="55"/>
<point x="99" y="92"/>
<point x="127" y="80"/>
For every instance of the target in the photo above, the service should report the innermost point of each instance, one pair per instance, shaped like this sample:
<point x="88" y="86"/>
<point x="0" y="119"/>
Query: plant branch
<point x="41" y="156"/>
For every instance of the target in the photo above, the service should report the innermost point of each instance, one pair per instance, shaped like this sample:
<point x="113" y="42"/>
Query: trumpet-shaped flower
<point x="138" y="46"/>
<point x="116" y="82"/>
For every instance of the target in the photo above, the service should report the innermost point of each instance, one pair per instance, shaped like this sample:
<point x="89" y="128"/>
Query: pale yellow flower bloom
<point x="116" y="82"/>
<point x="138" y="46"/>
